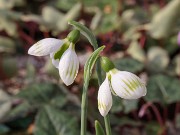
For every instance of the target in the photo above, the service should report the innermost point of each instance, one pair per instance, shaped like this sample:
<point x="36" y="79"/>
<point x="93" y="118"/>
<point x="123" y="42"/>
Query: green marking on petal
<point x="128" y="85"/>
<point x="61" y="50"/>
<point x="110" y="85"/>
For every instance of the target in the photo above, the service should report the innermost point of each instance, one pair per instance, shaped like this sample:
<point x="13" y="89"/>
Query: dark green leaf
<point x="162" y="88"/>
<point x="129" y="64"/>
<point x="90" y="62"/>
<point x="51" y="121"/>
<point x="99" y="129"/>
<point x="43" y="93"/>
<point x="86" y="32"/>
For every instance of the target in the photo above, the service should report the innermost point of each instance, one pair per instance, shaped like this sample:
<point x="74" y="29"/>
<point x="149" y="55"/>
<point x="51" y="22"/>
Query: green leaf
<point x="86" y="32"/>
<point x="90" y="63"/>
<point x="4" y="129"/>
<point x="51" y="121"/>
<point x="163" y="89"/>
<point x="129" y="64"/>
<point x="123" y="105"/>
<point x="136" y="51"/>
<point x="19" y="111"/>
<point x="99" y="129"/>
<point x="158" y="59"/>
<point x="165" y="20"/>
<point x="7" y="45"/>
<point x="43" y="93"/>
<point x="5" y="104"/>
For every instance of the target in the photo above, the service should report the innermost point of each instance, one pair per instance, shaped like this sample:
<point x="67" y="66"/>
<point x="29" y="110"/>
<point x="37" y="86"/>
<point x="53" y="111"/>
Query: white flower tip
<point x="104" y="98"/>
<point x="103" y="109"/>
<point x="68" y="66"/>
<point x="45" y="46"/>
<point x="127" y="85"/>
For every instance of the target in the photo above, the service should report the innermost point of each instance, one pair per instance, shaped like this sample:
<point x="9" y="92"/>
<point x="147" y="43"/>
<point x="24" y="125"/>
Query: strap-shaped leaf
<point x="99" y="128"/>
<point x="90" y="63"/>
<point x="86" y="32"/>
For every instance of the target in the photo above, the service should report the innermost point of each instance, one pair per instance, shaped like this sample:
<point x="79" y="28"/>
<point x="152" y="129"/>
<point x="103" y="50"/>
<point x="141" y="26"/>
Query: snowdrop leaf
<point x="42" y="93"/>
<point x="165" y="20"/>
<point x="129" y="64"/>
<point x="163" y="89"/>
<point x="86" y="32"/>
<point x="158" y="59"/>
<point x="7" y="45"/>
<point x="19" y="111"/>
<point x="136" y="51"/>
<point x="5" y="104"/>
<point x="99" y="129"/>
<point x="52" y="121"/>
<point x="72" y="14"/>
<point x="90" y="63"/>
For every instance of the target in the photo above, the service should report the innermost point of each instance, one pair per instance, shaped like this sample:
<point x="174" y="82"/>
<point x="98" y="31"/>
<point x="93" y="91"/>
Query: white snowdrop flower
<point x="126" y="84"/>
<point x="121" y="83"/>
<point x="104" y="98"/>
<point x="45" y="47"/>
<point x="62" y="54"/>
<point x="69" y="66"/>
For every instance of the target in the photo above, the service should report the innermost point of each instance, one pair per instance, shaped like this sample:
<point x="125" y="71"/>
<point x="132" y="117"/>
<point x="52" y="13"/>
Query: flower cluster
<point x="62" y="53"/>
<point x="121" y="83"/>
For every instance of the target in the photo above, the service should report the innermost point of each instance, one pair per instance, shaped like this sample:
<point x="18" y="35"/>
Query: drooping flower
<point x="121" y="83"/>
<point x="62" y="53"/>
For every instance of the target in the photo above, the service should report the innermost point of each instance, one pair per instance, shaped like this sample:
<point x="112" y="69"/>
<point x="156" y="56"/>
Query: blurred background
<point x="141" y="36"/>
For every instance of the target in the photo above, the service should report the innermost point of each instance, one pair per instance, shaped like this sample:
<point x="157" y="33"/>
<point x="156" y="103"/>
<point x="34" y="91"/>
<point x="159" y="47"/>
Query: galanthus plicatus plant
<point x="121" y="83"/>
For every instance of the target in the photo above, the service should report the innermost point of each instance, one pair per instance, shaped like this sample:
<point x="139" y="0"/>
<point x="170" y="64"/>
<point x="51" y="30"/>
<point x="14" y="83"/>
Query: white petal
<point x="45" y="47"/>
<point x="104" y="98"/>
<point x="54" y="62"/>
<point x="127" y="85"/>
<point x="68" y="66"/>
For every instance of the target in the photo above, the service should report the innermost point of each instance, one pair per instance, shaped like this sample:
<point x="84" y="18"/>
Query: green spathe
<point x="107" y="64"/>
<point x="73" y="36"/>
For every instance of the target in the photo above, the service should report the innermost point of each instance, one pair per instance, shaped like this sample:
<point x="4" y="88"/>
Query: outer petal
<point x="104" y="98"/>
<point x="45" y="46"/>
<point x="127" y="85"/>
<point x="68" y="66"/>
<point x="54" y="62"/>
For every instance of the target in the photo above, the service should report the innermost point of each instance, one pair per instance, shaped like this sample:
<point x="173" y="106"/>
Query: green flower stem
<point x="107" y="125"/>
<point x="106" y="118"/>
<point x="84" y="109"/>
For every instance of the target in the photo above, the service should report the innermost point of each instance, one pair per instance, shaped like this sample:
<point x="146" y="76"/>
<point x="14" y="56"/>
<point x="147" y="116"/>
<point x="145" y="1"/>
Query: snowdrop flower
<point x="62" y="53"/>
<point x="121" y="83"/>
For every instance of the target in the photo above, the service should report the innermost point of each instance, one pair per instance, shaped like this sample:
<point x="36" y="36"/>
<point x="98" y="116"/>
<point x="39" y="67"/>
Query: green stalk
<point x="107" y="125"/>
<point x="84" y="109"/>
<point x="106" y="118"/>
